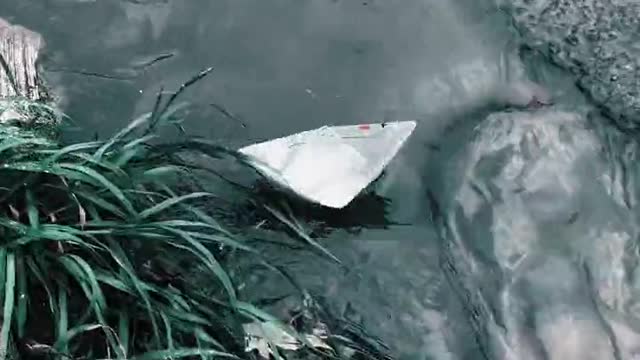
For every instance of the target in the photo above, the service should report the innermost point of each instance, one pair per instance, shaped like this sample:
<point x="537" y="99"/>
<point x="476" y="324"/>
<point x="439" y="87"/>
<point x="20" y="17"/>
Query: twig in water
<point x="154" y="61"/>
<point x="92" y="74"/>
<point x="156" y="114"/>
<point x="184" y="86"/>
<point x="229" y="115"/>
<point x="138" y="69"/>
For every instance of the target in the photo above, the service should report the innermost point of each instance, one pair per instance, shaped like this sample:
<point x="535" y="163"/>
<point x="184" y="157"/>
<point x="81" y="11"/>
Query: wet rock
<point x="19" y="48"/>
<point x="24" y="99"/>
<point x="597" y="40"/>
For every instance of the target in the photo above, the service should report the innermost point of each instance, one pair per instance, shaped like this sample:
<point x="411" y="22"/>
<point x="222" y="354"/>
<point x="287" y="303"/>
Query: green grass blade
<point x="139" y="142"/>
<point x="255" y="313"/>
<point x="3" y="274"/>
<point x="169" y="334"/>
<point x="65" y="339"/>
<point x="63" y="322"/>
<point x="118" y="254"/>
<point x="46" y="285"/>
<point x="93" y="176"/>
<point x="22" y="296"/>
<point x="183" y="353"/>
<point x="58" y="154"/>
<point x="162" y="171"/>
<point x="100" y="164"/>
<point x="206" y="218"/>
<point x="82" y="272"/>
<point x="123" y="330"/>
<point x="202" y="336"/>
<point x="13" y="225"/>
<point x="157" y="116"/>
<point x="101" y="203"/>
<point x="301" y="233"/>
<point x="62" y="236"/>
<point x="196" y="248"/>
<point x="15" y="143"/>
<point x="132" y="149"/>
<point x="139" y="121"/>
<point x="114" y="282"/>
<point x="182" y="315"/>
<point x="156" y="108"/>
<point x="166" y="117"/>
<point x="32" y="210"/>
<point x="166" y="204"/>
<point x="9" y="304"/>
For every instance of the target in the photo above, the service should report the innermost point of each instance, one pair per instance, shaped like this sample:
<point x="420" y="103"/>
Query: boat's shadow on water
<point x="368" y="210"/>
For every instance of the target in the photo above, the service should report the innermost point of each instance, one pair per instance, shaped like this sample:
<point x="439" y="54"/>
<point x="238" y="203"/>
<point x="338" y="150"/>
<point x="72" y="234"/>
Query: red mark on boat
<point x="364" y="127"/>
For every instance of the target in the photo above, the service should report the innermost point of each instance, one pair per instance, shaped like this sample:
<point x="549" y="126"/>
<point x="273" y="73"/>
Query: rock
<point x="19" y="48"/>
<point x="10" y="115"/>
<point x="24" y="99"/>
<point x="596" y="40"/>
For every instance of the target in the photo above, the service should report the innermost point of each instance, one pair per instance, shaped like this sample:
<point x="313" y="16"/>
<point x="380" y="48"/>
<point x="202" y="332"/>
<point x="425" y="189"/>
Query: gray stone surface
<point x="597" y="40"/>
<point x="23" y="96"/>
<point x="19" y="48"/>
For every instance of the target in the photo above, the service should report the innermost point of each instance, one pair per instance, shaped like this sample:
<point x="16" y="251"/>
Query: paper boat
<point x="333" y="164"/>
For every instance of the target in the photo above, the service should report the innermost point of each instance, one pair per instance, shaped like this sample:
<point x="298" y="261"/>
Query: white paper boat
<point x="330" y="165"/>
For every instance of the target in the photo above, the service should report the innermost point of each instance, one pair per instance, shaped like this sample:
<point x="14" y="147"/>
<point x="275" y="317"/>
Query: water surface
<point x="519" y="227"/>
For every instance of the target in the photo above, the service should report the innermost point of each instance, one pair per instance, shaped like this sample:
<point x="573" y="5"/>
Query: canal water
<point x="506" y="233"/>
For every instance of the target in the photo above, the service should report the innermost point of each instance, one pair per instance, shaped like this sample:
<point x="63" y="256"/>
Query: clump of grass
<point x="82" y="228"/>
<point x="99" y="241"/>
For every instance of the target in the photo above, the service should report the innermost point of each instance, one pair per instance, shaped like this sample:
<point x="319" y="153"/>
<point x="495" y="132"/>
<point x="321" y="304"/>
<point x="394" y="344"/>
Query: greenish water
<point x="518" y="229"/>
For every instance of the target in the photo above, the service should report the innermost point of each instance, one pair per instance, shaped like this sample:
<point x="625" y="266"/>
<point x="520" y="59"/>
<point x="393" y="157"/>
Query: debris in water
<point x="260" y="335"/>
<point x="228" y="114"/>
<point x="573" y="218"/>
<point x="147" y="63"/>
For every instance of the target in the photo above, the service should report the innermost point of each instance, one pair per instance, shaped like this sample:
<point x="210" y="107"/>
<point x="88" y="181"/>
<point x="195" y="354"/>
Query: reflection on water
<point x="520" y="227"/>
<point x="368" y="210"/>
